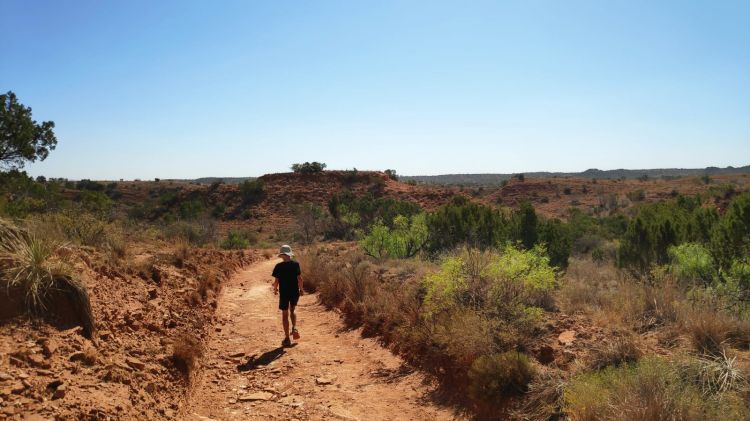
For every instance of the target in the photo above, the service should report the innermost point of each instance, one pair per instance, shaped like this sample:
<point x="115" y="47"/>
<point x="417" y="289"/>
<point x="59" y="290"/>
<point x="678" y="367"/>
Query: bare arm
<point x="275" y="286"/>
<point x="300" y="284"/>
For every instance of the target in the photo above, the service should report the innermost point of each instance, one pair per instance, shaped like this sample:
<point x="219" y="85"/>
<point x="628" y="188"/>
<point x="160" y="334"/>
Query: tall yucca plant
<point x="35" y="266"/>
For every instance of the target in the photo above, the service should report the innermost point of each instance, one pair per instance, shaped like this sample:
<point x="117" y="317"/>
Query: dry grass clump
<point x="314" y="270"/>
<point x="39" y="270"/>
<point x="494" y="375"/>
<point x="711" y="330"/>
<point x="708" y="332"/>
<point x="209" y="284"/>
<point x="183" y="251"/>
<point x="187" y="351"/>
<point x="543" y="399"/>
<point x="620" y="350"/>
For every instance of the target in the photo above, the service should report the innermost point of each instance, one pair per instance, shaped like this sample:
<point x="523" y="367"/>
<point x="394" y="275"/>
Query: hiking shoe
<point x="286" y="342"/>
<point x="295" y="333"/>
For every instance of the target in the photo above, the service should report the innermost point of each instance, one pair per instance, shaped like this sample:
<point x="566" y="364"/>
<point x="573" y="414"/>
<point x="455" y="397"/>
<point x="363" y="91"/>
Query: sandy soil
<point x="330" y="373"/>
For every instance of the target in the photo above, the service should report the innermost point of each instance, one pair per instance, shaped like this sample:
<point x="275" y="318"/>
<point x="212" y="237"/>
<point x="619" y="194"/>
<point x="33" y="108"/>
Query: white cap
<point x="285" y="249"/>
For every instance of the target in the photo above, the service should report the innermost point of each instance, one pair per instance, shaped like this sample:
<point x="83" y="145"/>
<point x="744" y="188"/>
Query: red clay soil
<point x="331" y="373"/>
<point x="125" y="371"/>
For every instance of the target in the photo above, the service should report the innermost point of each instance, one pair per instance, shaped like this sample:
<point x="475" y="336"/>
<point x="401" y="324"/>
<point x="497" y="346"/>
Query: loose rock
<point x="60" y="392"/>
<point x="567" y="338"/>
<point x="135" y="363"/>
<point x="257" y="396"/>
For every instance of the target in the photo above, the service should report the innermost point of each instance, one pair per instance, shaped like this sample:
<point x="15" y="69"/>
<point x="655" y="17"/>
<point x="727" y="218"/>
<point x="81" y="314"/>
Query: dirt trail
<point x="331" y="373"/>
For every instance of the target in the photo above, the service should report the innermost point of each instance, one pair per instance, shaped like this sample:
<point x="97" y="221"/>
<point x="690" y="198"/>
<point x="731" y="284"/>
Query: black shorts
<point x="286" y="298"/>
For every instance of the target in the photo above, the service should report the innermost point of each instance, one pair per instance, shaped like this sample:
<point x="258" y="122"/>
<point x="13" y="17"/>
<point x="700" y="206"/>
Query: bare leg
<point x="285" y="322"/>
<point x="293" y="315"/>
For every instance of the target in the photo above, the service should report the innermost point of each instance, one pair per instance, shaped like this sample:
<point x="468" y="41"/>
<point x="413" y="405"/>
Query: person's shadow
<point x="263" y="359"/>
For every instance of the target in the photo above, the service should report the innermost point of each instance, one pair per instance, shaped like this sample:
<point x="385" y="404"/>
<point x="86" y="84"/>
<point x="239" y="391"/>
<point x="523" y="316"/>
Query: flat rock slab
<point x="257" y="396"/>
<point x="567" y="338"/>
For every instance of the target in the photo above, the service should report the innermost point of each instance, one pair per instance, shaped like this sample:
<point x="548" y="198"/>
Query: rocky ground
<point x="125" y="370"/>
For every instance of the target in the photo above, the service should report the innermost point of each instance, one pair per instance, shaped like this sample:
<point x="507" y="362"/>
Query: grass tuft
<point x="38" y="268"/>
<point x="187" y="351"/>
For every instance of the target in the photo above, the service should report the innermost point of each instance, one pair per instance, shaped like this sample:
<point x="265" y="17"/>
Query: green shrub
<point x="659" y="226"/>
<point x="95" y="201"/>
<point x="692" y="263"/>
<point x="198" y="232"/>
<point x="492" y="376"/>
<point x="235" y="241"/>
<point x="351" y="214"/>
<point x="192" y="209"/>
<point x="731" y="237"/>
<point x="407" y="238"/>
<point x="530" y="268"/>
<point x="309" y="167"/>
<point x="511" y="289"/>
<point x="466" y="223"/>
<point x="87" y="184"/>
<point x="252" y="191"/>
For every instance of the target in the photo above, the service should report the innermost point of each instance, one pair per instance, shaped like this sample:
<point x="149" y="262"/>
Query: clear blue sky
<point x="201" y="88"/>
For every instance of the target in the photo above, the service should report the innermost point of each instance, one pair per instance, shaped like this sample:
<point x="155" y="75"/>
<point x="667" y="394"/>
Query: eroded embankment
<point x="142" y="309"/>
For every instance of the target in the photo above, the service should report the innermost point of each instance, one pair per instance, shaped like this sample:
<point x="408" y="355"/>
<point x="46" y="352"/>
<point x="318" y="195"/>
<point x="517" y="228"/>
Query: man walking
<point x="288" y="284"/>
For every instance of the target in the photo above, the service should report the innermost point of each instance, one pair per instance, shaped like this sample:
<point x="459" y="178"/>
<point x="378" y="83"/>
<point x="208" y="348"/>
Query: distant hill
<point x="227" y="180"/>
<point x="494" y="179"/>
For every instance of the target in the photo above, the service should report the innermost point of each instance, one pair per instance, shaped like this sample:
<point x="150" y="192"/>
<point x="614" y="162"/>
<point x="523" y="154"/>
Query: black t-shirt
<point x="287" y="273"/>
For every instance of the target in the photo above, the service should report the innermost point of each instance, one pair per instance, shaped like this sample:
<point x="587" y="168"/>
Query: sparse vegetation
<point x="648" y="390"/>
<point x="186" y="352"/>
<point x="252" y="191"/>
<point x="37" y="269"/>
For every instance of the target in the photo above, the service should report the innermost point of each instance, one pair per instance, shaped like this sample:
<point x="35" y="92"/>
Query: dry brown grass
<point x="588" y="286"/>
<point x="186" y="352"/>
<point x="544" y="398"/>
<point x="614" y="297"/>
<point x="209" y="284"/>
<point x="183" y="251"/>
<point x="314" y="270"/>
<point x="708" y="331"/>
<point x="615" y="352"/>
